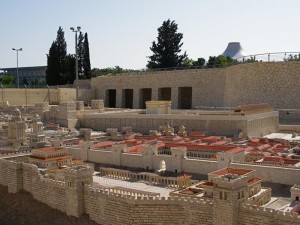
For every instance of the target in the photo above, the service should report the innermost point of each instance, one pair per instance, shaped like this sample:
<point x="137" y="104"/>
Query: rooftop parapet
<point x="79" y="170"/>
<point x="230" y="181"/>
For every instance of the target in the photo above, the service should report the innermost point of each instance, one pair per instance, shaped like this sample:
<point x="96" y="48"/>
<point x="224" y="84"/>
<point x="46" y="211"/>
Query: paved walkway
<point x="140" y="186"/>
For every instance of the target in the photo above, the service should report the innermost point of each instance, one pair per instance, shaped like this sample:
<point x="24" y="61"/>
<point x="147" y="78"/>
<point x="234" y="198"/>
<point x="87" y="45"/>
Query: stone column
<point x="136" y="98"/>
<point x="174" y="98"/>
<point x="119" y="98"/>
<point x="154" y="95"/>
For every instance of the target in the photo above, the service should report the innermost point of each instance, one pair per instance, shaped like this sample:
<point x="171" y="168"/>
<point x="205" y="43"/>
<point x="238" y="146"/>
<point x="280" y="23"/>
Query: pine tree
<point x="166" y="50"/>
<point x="53" y="70"/>
<point x="80" y="46"/>
<point x="62" y="53"/>
<point x="86" y="58"/>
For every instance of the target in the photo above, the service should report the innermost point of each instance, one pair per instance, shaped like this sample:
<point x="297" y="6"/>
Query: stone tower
<point x="16" y="129"/>
<point x="76" y="178"/>
<point x="229" y="191"/>
<point x="148" y="153"/>
<point x="37" y="138"/>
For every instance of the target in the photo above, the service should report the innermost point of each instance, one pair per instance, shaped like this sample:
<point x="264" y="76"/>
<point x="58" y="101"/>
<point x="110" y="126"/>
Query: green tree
<point x="80" y="47"/>
<point x="70" y="69"/>
<point x="95" y="72"/>
<point x="7" y="79"/>
<point x="166" y="52"/>
<point x="187" y="62"/>
<point x="53" y="69"/>
<point x="56" y="61"/>
<point x="86" y="58"/>
<point x="62" y="50"/>
<point x="199" y="62"/>
<point x="219" y="61"/>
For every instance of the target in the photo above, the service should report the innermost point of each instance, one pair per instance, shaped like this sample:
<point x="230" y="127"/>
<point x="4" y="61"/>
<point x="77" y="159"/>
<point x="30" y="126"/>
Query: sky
<point x="120" y="32"/>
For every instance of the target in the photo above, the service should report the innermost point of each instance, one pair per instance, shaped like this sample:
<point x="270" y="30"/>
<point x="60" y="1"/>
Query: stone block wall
<point x="249" y="215"/>
<point x="117" y="209"/>
<point x="274" y="83"/>
<point x="29" y="96"/>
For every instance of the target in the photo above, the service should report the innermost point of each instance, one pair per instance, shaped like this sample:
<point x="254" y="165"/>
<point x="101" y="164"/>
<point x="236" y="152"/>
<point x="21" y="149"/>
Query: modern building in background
<point x="234" y="50"/>
<point x="27" y="75"/>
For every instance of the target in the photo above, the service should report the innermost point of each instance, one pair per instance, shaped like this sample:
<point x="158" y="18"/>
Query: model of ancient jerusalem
<point x="160" y="112"/>
<point x="152" y="166"/>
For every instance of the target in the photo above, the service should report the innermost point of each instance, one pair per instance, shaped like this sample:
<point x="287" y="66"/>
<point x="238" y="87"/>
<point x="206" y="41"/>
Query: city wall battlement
<point x="135" y="197"/>
<point x="116" y="206"/>
<point x="252" y="214"/>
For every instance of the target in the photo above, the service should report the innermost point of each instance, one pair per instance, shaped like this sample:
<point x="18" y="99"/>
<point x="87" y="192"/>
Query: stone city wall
<point x="274" y="83"/>
<point x="249" y="215"/>
<point x="118" y="209"/>
<point x="115" y="207"/>
<point x="28" y="96"/>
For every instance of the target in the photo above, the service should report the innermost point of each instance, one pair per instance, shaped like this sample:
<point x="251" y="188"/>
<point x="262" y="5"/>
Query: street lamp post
<point x="76" y="59"/>
<point x="17" y="50"/>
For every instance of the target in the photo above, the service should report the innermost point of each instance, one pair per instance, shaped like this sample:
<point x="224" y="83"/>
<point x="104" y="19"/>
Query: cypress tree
<point x="70" y="69"/>
<point x="86" y="58"/>
<point x="62" y="53"/>
<point x="166" y="50"/>
<point x="53" y="70"/>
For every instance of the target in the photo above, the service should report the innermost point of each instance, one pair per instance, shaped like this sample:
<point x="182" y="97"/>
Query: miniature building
<point x="97" y="104"/>
<point x="16" y="129"/>
<point x="295" y="192"/>
<point x="158" y="107"/>
<point x="79" y="105"/>
<point x="50" y="157"/>
<point x="244" y="181"/>
<point x="37" y="138"/>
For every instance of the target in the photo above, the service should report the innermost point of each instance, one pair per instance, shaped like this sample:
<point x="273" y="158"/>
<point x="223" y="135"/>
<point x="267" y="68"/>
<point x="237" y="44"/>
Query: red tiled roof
<point x="49" y="149"/>
<point x="232" y="171"/>
<point x="254" y="180"/>
<point x="103" y="144"/>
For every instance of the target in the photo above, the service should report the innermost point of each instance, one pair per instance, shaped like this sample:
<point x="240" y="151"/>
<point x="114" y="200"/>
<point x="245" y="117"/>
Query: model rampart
<point x="249" y="214"/>
<point x="116" y="206"/>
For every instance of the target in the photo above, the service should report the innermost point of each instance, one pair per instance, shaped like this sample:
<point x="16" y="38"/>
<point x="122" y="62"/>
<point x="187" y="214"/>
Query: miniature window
<point x="225" y="195"/>
<point x="239" y="195"/>
<point x="221" y="195"/>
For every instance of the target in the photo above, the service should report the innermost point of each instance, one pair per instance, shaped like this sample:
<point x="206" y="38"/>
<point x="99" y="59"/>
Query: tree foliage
<point x="70" y="69"/>
<point x="199" y="62"/>
<point x="86" y="58"/>
<point x="166" y="51"/>
<point x="110" y="70"/>
<point x="7" y="79"/>
<point x="53" y="69"/>
<point x="62" y="49"/>
<point x="61" y="66"/>
<point x="219" y="61"/>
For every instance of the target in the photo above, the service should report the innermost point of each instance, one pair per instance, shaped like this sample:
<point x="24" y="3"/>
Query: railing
<point x="263" y="57"/>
